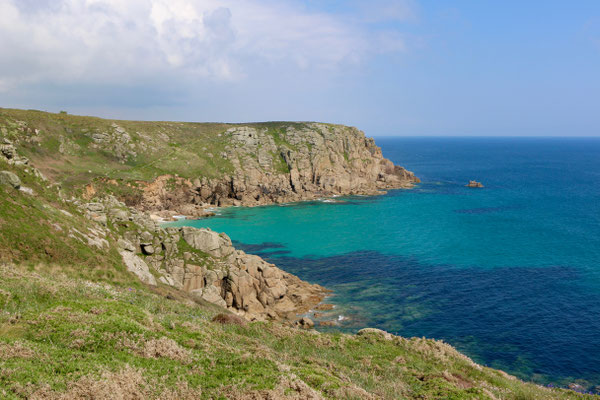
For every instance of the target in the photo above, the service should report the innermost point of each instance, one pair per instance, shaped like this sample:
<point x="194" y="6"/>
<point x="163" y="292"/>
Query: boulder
<point x="118" y="215"/>
<point x="8" y="151"/>
<point x="146" y="238"/>
<point x="211" y="294"/>
<point x="213" y="243"/>
<point x="148" y="249"/>
<point x="125" y="245"/>
<point x="305" y="323"/>
<point x="95" y="207"/>
<point x="9" y="179"/>
<point x="136" y="265"/>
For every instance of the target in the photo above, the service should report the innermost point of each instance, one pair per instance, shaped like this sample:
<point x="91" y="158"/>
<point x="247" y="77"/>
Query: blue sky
<point x="389" y="67"/>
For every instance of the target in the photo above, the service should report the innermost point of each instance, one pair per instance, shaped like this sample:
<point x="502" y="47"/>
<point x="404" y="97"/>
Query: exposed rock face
<point x="296" y="163"/>
<point x="136" y="265"/>
<point x="210" y="269"/>
<point x="9" y="152"/>
<point x="115" y="139"/>
<point x="217" y="245"/>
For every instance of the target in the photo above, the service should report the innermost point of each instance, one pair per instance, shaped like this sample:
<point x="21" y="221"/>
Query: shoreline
<point x="213" y="211"/>
<point x="333" y="322"/>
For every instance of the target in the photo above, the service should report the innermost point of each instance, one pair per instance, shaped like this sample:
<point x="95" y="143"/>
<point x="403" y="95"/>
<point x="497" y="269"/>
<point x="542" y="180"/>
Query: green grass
<point x="74" y="323"/>
<point x="58" y="330"/>
<point x="188" y="149"/>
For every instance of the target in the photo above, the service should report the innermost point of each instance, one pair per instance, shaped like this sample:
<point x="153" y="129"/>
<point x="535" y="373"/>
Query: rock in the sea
<point x="474" y="184"/>
<point x="9" y="179"/>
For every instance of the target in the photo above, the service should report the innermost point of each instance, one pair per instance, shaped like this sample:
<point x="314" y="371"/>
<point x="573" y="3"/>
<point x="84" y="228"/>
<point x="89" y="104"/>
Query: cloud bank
<point x="113" y="42"/>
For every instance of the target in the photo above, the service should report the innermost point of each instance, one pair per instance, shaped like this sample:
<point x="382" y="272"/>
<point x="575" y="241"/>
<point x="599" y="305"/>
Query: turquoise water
<point x="509" y="274"/>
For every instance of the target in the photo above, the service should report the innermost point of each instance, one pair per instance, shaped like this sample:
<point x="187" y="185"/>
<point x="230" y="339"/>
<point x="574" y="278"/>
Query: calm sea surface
<point x="509" y="274"/>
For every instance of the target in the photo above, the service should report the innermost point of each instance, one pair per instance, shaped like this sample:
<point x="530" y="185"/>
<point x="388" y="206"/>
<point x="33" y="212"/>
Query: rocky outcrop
<point x="8" y="151"/>
<point x="291" y="163"/>
<point x="115" y="139"/>
<point x="205" y="264"/>
<point x="10" y="155"/>
<point x="9" y="179"/>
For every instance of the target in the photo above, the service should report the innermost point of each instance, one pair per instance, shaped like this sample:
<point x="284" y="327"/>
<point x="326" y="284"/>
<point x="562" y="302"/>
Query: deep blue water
<point x="509" y="274"/>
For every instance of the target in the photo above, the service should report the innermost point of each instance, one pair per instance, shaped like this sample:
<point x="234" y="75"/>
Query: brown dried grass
<point x="229" y="319"/>
<point x="16" y="350"/>
<point x="165" y="347"/>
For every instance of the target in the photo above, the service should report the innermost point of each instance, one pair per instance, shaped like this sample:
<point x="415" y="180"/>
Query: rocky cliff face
<point x="205" y="264"/>
<point x="298" y="162"/>
<point x="183" y="168"/>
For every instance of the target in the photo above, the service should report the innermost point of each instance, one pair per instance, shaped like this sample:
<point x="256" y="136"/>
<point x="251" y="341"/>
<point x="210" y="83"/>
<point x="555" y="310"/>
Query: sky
<point x="389" y="67"/>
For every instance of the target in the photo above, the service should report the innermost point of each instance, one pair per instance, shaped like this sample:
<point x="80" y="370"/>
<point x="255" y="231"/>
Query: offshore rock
<point x="474" y="184"/>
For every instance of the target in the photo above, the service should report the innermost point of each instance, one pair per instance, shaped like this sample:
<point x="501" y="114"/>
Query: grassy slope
<point x="190" y="150"/>
<point x="64" y="334"/>
<point x="74" y="323"/>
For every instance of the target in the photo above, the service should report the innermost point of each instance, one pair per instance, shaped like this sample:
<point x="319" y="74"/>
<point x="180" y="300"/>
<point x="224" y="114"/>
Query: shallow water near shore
<point x="509" y="274"/>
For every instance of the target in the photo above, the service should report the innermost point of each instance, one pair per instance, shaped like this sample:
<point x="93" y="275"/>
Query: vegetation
<point x="75" y="324"/>
<point x="77" y="150"/>
<point x="65" y="336"/>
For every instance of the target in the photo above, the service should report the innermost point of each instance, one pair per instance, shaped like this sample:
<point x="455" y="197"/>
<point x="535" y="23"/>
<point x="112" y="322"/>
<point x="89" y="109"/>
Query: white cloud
<point x="116" y="41"/>
<point x="387" y="10"/>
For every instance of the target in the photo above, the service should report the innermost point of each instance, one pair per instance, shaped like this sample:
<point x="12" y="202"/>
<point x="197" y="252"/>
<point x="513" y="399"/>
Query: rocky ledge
<point x="204" y="264"/>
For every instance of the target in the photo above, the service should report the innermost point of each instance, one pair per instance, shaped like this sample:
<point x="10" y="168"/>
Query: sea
<point x="509" y="274"/>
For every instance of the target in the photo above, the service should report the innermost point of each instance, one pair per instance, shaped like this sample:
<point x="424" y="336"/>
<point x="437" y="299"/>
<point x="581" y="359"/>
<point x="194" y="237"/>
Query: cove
<point x="509" y="274"/>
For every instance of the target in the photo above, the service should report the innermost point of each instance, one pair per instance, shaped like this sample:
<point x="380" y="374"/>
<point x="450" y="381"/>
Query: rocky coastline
<point x="316" y="161"/>
<point x="247" y="165"/>
<point x="82" y="200"/>
<point x="204" y="264"/>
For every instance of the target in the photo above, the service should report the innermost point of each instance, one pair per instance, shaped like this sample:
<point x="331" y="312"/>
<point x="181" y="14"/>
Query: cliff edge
<point x="185" y="167"/>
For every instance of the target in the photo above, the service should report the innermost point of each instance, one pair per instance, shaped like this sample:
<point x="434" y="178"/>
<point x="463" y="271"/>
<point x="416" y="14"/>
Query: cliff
<point x="203" y="264"/>
<point x="97" y="301"/>
<point x="289" y="163"/>
<point x="184" y="167"/>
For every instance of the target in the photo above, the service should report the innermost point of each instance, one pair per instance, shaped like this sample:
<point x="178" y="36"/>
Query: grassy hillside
<point x="65" y="337"/>
<point x="74" y="324"/>
<point x="66" y="147"/>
